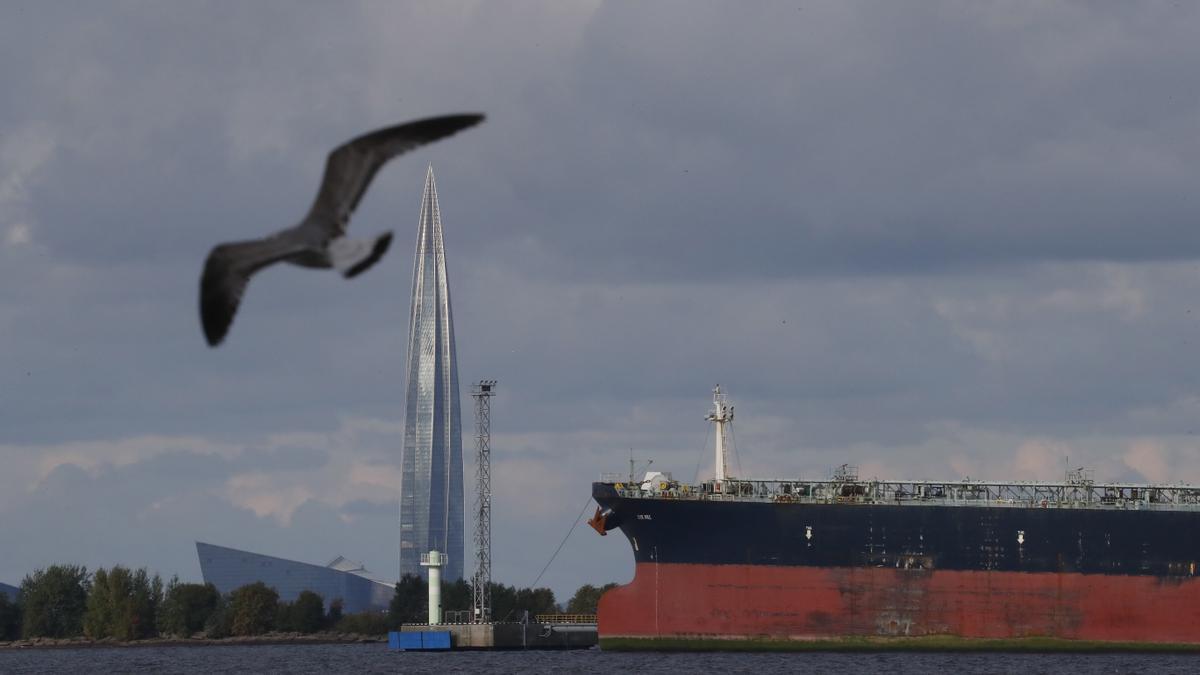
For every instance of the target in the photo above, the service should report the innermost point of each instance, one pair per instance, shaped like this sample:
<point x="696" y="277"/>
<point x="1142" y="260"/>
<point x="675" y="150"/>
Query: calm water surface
<point x="376" y="658"/>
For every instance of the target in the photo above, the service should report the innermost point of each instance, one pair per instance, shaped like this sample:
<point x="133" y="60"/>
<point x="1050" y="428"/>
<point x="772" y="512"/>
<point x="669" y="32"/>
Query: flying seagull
<point x="320" y="239"/>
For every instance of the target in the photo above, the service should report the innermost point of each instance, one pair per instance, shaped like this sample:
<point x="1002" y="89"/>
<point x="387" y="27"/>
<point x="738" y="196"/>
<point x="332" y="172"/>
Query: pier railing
<point x="565" y="618"/>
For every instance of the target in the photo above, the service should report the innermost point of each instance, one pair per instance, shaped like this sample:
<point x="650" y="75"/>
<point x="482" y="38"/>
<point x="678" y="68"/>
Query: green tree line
<point x="63" y="601"/>
<point x="411" y="602"/>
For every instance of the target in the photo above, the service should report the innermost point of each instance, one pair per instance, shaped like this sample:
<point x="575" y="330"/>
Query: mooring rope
<point x="562" y="543"/>
<point x="555" y="555"/>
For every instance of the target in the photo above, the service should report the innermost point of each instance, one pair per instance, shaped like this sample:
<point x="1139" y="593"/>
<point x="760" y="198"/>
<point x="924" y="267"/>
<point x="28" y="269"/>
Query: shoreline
<point x="932" y="643"/>
<point x="249" y="640"/>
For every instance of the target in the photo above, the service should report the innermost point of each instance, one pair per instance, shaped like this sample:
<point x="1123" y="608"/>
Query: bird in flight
<point x="320" y="239"/>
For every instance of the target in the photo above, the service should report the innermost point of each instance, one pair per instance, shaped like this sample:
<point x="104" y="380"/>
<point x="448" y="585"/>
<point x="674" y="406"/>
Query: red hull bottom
<point x="804" y="603"/>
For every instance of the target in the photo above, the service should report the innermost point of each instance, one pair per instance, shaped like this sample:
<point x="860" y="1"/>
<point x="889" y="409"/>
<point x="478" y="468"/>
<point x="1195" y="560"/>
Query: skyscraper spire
<point x="431" y="479"/>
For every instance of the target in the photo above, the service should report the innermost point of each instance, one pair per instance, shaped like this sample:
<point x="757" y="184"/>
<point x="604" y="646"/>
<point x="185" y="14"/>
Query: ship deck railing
<point x="1083" y="493"/>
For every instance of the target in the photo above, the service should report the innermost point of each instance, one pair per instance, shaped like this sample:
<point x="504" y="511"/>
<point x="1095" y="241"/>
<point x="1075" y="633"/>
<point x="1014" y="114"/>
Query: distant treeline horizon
<point x="119" y="603"/>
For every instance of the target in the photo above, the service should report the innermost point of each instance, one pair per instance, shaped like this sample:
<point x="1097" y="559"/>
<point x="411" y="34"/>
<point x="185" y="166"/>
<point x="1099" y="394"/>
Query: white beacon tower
<point x="433" y="561"/>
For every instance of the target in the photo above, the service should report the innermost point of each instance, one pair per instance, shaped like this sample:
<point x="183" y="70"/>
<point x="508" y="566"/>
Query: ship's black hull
<point x="996" y="538"/>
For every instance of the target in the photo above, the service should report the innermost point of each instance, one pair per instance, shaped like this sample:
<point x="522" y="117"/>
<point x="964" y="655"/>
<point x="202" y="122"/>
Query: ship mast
<point x="721" y="415"/>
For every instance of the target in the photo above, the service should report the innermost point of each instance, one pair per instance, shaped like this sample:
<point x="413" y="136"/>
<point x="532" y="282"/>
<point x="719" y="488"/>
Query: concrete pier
<point x="514" y="635"/>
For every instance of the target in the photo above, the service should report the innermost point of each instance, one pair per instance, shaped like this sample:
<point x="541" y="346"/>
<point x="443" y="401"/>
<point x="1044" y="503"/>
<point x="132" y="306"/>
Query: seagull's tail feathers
<point x="227" y="271"/>
<point x="352" y="257"/>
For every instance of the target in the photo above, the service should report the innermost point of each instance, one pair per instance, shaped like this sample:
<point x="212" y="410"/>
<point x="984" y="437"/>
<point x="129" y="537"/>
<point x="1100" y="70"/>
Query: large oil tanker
<point x="764" y="561"/>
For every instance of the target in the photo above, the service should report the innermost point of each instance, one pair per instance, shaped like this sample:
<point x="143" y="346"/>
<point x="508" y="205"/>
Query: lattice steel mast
<point x="482" y="392"/>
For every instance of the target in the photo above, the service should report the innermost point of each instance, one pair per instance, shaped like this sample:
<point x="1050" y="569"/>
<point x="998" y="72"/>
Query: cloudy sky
<point x="930" y="239"/>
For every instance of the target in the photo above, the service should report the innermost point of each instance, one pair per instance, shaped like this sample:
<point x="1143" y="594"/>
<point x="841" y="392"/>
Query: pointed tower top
<point x="430" y="183"/>
<point x="429" y="232"/>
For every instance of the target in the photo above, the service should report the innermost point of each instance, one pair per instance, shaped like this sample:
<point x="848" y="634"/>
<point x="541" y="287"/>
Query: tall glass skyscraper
<point x="431" y="479"/>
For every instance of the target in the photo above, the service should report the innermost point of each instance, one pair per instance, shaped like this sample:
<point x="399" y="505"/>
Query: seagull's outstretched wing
<point x="351" y="166"/>
<point x="226" y="273"/>
<point x="352" y="257"/>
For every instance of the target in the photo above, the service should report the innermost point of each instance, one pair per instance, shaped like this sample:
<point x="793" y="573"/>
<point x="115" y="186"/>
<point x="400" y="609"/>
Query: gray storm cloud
<point x="928" y="239"/>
